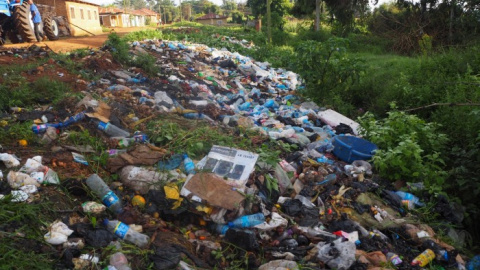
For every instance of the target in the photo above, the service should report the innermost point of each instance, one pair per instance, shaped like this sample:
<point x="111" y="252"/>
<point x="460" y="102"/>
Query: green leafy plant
<point x="119" y="48"/>
<point x="409" y="148"/>
<point x="146" y="62"/>
<point x="326" y="67"/>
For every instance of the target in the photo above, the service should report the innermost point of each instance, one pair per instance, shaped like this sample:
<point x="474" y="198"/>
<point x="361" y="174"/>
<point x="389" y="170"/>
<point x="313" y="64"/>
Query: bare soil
<point x="66" y="44"/>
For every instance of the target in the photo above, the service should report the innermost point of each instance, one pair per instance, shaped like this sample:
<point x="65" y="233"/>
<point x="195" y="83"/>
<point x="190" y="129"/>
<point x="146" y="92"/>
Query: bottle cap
<point x="105" y="222"/>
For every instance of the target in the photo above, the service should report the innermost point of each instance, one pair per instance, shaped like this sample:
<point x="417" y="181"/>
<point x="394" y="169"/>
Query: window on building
<point x="89" y="15"/>
<point x="72" y="12"/>
<point x="95" y="14"/>
<point x="219" y="22"/>
<point x="81" y="14"/>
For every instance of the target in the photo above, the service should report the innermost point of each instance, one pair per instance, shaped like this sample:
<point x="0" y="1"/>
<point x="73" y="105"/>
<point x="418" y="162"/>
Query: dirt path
<point x="66" y="44"/>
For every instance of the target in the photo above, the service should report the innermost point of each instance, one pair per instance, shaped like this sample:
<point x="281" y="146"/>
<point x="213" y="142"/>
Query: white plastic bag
<point x="9" y="160"/>
<point x="18" y="179"/>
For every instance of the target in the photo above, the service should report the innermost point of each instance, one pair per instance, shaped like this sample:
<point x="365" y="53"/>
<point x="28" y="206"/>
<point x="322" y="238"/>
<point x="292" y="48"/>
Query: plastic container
<point x="111" y="130"/>
<point x="247" y="221"/>
<point x="123" y="231"/>
<point x="409" y="200"/>
<point x="119" y="261"/>
<point x="109" y="198"/>
<point x="188" y="164"/>
<point x="393" y="258"/>
<point x="424" y="258"/>
<point x="350" y="148"/>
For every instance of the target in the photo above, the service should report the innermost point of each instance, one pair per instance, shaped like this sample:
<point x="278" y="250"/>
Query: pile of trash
<point x="319" y="207"/>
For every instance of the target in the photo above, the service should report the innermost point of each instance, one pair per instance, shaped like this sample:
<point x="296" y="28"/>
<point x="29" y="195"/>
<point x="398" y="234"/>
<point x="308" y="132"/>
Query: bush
<point x="326" y="68"/>
<point x="119" y="48"/>
<point x="409" y="148"/>
<point x="146" y="62"/>
<point x="237" y="17"/>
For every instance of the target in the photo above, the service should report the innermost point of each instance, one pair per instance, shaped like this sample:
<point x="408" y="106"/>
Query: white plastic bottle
<point x="109" y="198"/>
<point x="124" y="232"/>
<point x="119" y="261"/>
<point x="111" y="130"/>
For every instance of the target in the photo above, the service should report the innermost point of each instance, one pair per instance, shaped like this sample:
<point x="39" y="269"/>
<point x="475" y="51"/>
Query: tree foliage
<point x="279" y="9"/>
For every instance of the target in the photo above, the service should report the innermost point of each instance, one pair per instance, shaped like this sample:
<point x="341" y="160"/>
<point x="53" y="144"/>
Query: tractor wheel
<point x="50" y="28"/>
<point x="23" y="22"/>
<point x="14" y="38"/>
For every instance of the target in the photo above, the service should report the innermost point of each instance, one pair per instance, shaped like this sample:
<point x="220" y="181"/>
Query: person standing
<point x="37" y="19"/>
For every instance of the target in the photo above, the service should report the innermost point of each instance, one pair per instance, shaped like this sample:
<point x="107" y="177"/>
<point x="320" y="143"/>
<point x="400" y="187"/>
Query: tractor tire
<point x="23" y="22"/>
<point x="14" y="38"/>
<point x="50" y="28"/>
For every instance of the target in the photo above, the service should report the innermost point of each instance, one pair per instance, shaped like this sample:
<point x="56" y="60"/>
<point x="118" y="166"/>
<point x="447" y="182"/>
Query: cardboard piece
<point x="234" y="165"/>
<point x="213" y="189"/>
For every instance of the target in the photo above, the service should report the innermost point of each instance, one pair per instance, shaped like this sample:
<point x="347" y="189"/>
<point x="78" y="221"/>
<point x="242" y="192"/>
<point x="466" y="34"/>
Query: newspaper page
<point x="233" y="165"/>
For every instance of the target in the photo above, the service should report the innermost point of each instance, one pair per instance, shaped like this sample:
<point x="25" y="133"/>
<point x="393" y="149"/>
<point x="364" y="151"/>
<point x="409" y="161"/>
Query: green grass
<point x="196" y="137"/>
<point x="142" y="35"/>
<point x="28" y="222"/>
<point x="17" y="131"/>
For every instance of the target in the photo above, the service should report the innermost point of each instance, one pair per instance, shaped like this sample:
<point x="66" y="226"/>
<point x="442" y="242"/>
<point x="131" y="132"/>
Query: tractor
<point x="16" y="22"/>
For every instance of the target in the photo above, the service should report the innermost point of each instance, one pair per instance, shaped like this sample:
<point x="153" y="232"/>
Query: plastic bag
<point x="337" y="255"/>
<point x="9" y="160"/>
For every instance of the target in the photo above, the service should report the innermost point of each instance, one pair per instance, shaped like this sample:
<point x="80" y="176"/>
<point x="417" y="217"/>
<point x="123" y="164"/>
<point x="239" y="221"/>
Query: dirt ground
<point x="66" y="44"/>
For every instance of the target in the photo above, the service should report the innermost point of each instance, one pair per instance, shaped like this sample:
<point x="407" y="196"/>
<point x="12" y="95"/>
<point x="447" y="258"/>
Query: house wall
<point x="213" y="21"/>
<point x="89" y="21"/>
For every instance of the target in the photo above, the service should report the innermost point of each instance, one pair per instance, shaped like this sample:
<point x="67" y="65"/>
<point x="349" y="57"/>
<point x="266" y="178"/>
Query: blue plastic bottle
<point x="221" y="228"/>
<point x="245" y="106"/>
<point x="247" y="221"/>
<point x="193" y="115"/>
<point x="188" y="164"/>
<point x="410" y="197"/>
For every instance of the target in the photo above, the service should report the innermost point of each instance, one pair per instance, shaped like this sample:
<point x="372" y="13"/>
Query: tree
<point x="237" y="17"/>
<point x="211" y="8"/>
<point x="229" y="5"/>
<point x="167" y="9"/>
<point x="135" y="4"/>
<point x="343" y="11"/>
<point x="279" y="9"/>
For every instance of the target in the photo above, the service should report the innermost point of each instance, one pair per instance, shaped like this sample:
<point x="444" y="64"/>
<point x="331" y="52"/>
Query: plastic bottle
<point x="188" y="164"/>
<point x="424" y="258"/>
<point x="247" y="221"/>
<point x="114" y="152"/>
<point x="40" y="129"/>
<point x="392" y="257"/>
<point x="124" y="232"/>
<point x="409" y="198"/>
<point x="74" y="119"/>
<point x="119" y="261"/>
<point x="221" y="228"/>
<point x="109" y="198"/>
<point x="245" y="106"/>
<point x="111" y="130"/>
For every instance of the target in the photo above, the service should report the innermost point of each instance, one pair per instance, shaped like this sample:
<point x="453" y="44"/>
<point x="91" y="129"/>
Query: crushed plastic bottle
<point x="123" y="231"/>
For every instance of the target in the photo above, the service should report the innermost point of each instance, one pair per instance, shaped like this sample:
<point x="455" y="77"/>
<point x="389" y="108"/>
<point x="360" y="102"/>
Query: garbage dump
<point x="316" y="206"/>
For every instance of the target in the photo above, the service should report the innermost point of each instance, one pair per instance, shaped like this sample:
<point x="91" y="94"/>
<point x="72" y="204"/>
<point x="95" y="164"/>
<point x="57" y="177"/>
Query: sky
<point x="218" y="2"/>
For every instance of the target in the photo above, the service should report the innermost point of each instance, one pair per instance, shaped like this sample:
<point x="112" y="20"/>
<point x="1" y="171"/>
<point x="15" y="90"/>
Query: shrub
<point x="409" y="148"/>
<point x="327" y="68"/>
<point x="147" y="63"/>
<point x="119" y="48"/>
